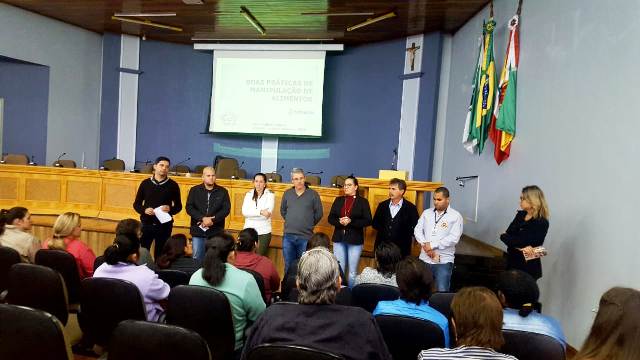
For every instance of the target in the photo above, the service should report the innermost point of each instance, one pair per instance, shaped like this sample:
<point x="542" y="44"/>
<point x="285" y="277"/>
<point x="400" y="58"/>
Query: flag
<point x="483" y="91"/>
<point x="503" y="123"/>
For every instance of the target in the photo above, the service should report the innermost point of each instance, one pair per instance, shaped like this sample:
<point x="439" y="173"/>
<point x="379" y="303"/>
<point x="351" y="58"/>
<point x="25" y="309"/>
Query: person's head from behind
<point x="616" y="329"/>
<point x="17" y="216"/>
<point x="441" y="198"/>
<point x="518" y="290"/>
<point x="176" y="247"/>
<point x="220" y="249"/>
<point x="415" y="280"/>
<point x="477" y="318"/>
<point x="125" y="249"/>
<point x="66" y="225"/>
<point x="532" y="201"/>
<point x="129" y="226"/>
<point x="387" y="256"/>
<point x="318" y="239"/>
<point x="397" y="188"/>
<point x="318" y="278"/>
<point x="247" y="240"/>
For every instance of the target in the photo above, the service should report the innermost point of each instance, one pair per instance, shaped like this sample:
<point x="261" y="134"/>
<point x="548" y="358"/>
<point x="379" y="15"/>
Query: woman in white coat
<point x="257" y="208"/>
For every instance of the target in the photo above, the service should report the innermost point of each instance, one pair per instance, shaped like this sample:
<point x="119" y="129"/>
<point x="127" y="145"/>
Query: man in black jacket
<point x="396" y="217"/>
<point x="208" y="205"/>
<point x="157" y="192"/>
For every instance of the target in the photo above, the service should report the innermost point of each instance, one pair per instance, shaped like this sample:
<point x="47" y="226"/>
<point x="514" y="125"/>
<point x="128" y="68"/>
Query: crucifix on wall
<point x="412" y="54"/>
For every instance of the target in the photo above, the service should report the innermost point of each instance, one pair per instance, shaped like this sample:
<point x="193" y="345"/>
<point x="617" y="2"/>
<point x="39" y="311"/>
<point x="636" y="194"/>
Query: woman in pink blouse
<point x="66" y="236"/>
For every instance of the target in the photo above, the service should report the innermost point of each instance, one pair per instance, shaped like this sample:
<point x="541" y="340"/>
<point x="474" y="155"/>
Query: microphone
<point x="175" y="172"/>
<point x="315" y="173"/>
<point x="2" y="160"/>
<point x="57" y="163"/>
<point x="275" y="172"/>
<point x="32" y="162"/>
<point x="394" y="160"/>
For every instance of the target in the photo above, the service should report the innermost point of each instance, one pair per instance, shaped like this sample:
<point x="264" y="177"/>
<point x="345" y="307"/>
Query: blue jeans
<point x="292" y="248"/>
<point x="348" y="257"/>
<point x="442" y="275"/>
<point x="198" y="247"/>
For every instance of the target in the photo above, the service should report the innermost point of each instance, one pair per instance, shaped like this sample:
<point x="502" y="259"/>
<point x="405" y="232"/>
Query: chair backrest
<point x="147" y="169"/>
<point x="338" y="180"/>
<point x="241" y="174"/>
<point x="173" y="277"/>
<point x="260" y="281"/>
<point x="113" y="165"/>
<point x="183" y="169"/>
<point x="134" y="340"/>
<point x="313" y="180"/>
<point x="406" y="336"/>
<point x="531" y="346"/>
<point x="226" y="168"/>
<point x="274" y="177"/>
<point x="206" y="311"/>
<point x="289" y="352"/>
<point x="198" y="169"/>
<point x="104" y="302"/>
<point x="8" y="257"/>
<point x="65" y="163"/>
<point x="38" y="287"/>
<point x="367" y="296"/>
<point x="441" y="301"/>
<point x="27" y="333"/>
<point x="64" y="263"/>
<point x="16" y="159"/>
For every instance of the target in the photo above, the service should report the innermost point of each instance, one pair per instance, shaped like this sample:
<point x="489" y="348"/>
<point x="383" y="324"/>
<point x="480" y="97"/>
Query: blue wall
<point x="25" y="89"/>
<point x="109" y="104"/>
<point x="362" y="100"/>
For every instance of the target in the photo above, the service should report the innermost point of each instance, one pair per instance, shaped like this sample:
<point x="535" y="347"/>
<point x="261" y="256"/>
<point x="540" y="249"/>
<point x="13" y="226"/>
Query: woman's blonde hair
<point x="535" y="197"/>
<point x="62" y="228"/>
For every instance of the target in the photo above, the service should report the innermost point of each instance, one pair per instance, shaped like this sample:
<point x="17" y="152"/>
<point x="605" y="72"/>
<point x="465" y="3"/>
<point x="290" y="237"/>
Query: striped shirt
<point x="463" y="352"/>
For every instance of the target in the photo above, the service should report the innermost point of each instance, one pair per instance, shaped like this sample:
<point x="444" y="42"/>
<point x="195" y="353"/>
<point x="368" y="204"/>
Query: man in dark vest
<point x="396" y="217"/>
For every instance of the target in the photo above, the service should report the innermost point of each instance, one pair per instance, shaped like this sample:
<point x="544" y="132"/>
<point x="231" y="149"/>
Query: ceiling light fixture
<point x="157" y="14"/>
<point x="199" y="38"/>
<point x="146" y="23"/>
<point x="252" y="20"/>
<point x="325" y="13"/>
<point x="372" y="20"/>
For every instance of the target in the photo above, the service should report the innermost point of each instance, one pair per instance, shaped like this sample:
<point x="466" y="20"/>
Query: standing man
<point x="301" y="210"/>
<point x="396" y="217"/>
<point x="438" y="231"/>
<point x="208" y="205"/>
<point x="157" y="195"/>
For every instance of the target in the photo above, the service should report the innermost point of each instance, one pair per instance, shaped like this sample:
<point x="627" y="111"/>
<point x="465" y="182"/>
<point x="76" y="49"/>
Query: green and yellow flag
<point x="483" y="91"/>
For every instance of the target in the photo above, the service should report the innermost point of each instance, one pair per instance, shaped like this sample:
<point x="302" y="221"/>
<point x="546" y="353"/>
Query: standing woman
<point x="15" y="225"/>
<point x="527" y="230"/>
<point x="256" y="209"/>
<point x="66" y="236"/>
<point x="350" y="214"/>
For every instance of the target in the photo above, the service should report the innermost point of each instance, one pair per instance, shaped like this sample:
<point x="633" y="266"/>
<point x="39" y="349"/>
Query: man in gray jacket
<point x="301" y="210"/>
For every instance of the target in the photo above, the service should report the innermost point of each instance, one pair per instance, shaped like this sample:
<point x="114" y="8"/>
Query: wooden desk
<point x="108" y="195"/>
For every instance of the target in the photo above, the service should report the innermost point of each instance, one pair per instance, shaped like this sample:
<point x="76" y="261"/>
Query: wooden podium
<point x="104" y="197"/>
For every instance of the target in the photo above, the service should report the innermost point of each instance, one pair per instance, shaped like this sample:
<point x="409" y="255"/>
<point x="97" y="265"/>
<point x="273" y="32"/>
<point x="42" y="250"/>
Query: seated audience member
<point x="120" y="263"/>
<point x="239" y="286"/>
<point x="316" y="321"/>
<point x="246" y="258"/>
<point x="415" y="281"/>
<point x="176" y="255"/>
<point x="134" y="227"/>
<point x="15" y="225"/>
<point x="66" y="236"/>
<point x="387" y="257"/>
<point x="517" y="292"/>
<point x="477" y="325"/>
<point x="318" y="239"/>
<point x="615" y="331"/>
